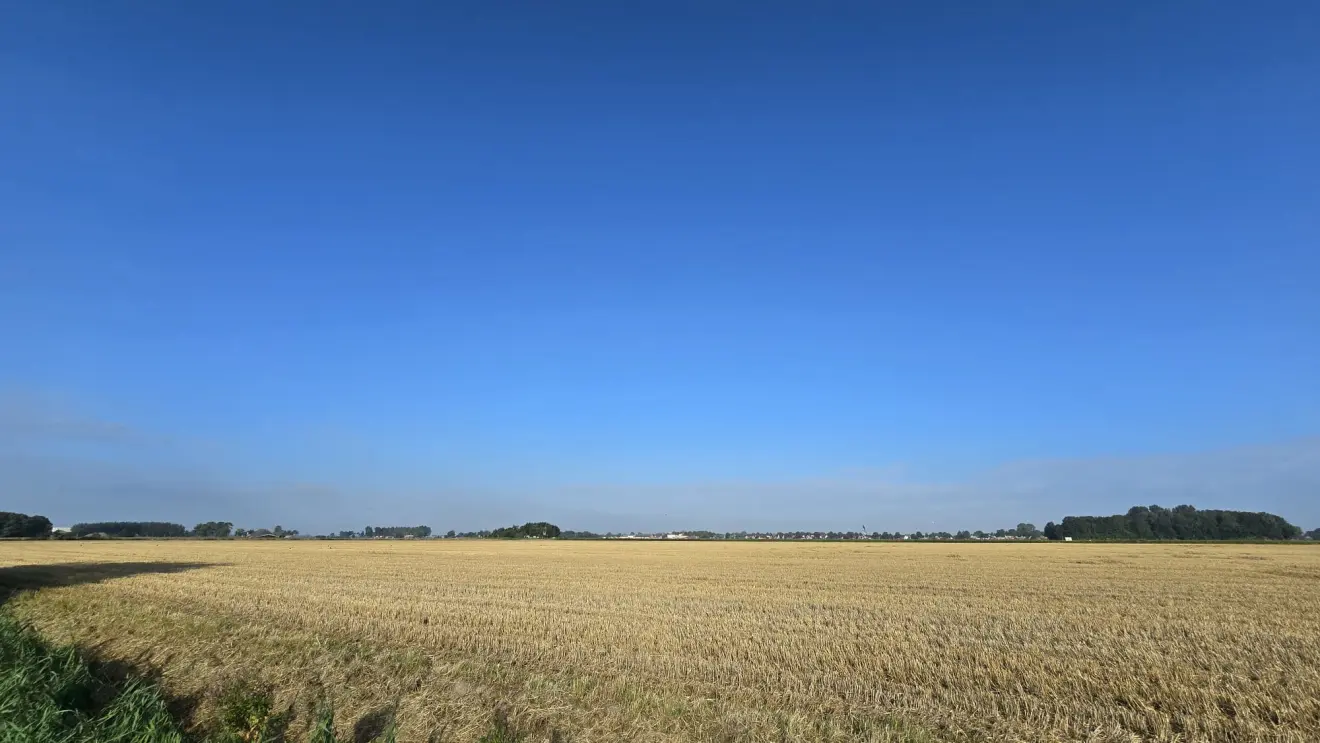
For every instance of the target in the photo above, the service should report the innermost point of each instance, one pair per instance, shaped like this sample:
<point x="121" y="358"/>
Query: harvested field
<point x="609" y="641"/>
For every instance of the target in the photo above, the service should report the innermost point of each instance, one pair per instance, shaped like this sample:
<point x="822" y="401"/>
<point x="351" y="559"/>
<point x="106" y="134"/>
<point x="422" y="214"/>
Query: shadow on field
<point x="372" y="725"/>
<point x="32" y="577"/>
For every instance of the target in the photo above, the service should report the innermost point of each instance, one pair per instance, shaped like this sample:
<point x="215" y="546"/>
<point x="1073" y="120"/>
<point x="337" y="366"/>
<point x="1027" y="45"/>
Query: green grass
<point x="50" y="694"/>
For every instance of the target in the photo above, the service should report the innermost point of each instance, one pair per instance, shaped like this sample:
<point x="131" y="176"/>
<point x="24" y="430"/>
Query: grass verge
<point x="48" y="694"/>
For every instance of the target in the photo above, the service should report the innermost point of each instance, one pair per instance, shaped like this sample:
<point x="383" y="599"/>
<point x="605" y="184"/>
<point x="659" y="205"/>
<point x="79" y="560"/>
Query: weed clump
<point x="48" y="694"/>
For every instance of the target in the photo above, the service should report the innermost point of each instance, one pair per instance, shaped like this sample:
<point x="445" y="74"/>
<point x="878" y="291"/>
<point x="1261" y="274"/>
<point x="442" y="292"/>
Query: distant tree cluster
<point x="1181" y="522"/>
<point x="397" y="532"/>
<point x="23" y="526"/>
<point x="217" y="529"/>
<point x="1313" y="534"/>
<point x="573" y="535"/>
<point x="129" y="529"/>
<point x="530" y="530"/>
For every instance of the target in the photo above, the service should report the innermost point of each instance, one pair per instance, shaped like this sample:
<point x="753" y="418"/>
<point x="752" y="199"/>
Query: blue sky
<point x="658" y="265"/>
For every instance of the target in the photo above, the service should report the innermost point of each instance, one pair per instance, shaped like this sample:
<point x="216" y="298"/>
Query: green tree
<point x="1182" y="522"/>
<point x="1139" y="523"/>
<point x="218" y="529"/>
<point x="23" y="526"/>
<point x="129" y="529"/>
<point x="399" y="532"/>
<point x="530" y="530"/>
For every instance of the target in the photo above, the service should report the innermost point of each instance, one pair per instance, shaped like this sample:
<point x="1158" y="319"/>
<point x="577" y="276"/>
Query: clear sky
<point x="658" y="265"/>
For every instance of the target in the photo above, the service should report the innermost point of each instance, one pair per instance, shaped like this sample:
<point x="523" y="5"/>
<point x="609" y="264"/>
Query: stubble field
<point x="608" y="641"/>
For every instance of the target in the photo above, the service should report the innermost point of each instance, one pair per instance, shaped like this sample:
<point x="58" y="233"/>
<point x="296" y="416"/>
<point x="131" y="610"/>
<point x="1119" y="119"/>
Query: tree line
<point x="1180" y="522"/>
<point x="23" y="526"/>
<point x="396" y="532"/>
<point x="162" y="529"/>
<point x="206" y="529"/>
<point x="1139" y="523"/>
<point x="129" y="529"/>
<point x="529" y="530"/>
